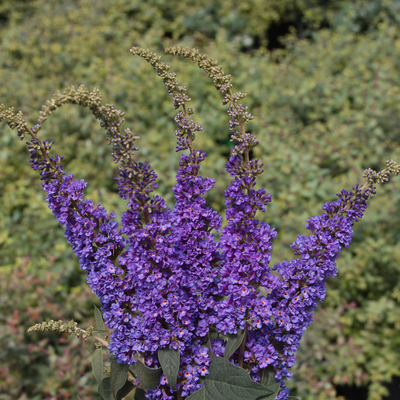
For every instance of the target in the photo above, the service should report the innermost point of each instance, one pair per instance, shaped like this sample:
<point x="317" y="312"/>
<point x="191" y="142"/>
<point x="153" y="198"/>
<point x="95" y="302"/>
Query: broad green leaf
<point x="268" y="380"/>
<point x="132" y="369"/>
<point x="100" y="331"/>
<point x="268" y="376"/>
<point x="105" y="389"/>
<point x="234" y="341"/>
<point x="139" y="394"/>
<point x="119" y="373"/>
<point x="98" y="317"/>
<point x="276" y="387"/>
<point x="169" y="360"/>
<point x="125" y="390"/>
<point x="149" y="378"/>
<point x="229" y="382"/>
<point x="292" y="398"/>
<point x="198" y="395"/>
<point x="97" y="364"/>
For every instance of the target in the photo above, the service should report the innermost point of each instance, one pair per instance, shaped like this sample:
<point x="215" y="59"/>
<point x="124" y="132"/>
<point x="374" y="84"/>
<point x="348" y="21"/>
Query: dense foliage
<point x="328" y="106"/>
<point x="41" y="366"/>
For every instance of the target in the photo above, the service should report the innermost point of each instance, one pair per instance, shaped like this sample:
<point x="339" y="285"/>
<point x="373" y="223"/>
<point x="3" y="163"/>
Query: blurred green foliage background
<point x="324" y="85"/>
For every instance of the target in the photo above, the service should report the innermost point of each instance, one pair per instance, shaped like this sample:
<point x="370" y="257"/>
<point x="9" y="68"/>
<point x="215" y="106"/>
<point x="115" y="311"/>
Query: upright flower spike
<point x="246" y="243"/>
<point x="171" y="263"/>
<point x="287" y="310"/>
<point x="238" y="113"/>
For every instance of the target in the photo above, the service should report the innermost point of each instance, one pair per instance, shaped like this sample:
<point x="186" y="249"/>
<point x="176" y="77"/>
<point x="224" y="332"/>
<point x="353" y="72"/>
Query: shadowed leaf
<point x="105" y="389"/>
<point x="149" y="378"/>
<point x="119" y="373"/>
<point x="234" y="341"/>
<point x="100" y="326"/>
<point x="140" y="394"/>
<point x="125" y="390"/>
<point x="97" y="365"/>
<point x="169" y="360"/>
<point x="276" y="387"/>
<point x="268" y="376"/>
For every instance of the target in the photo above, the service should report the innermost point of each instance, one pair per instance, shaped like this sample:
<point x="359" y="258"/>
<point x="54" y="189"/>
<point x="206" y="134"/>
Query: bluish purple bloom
<point x="163" y="280"/>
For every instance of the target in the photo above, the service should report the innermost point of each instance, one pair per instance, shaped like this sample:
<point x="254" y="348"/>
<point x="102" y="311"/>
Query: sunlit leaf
<point x="229" y="382"/>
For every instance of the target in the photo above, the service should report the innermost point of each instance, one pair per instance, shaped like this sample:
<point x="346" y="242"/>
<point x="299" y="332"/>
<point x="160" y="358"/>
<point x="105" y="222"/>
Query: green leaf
<point x="119" y="373"/>
<point x="234" y="341"/>
<point x="269" y="381"/>
<point x="100" y="331"/>
<point x="132" y="369"/>
<point x="276" y="387"/>
<point x="139" y="394"/>
<point x="97" y="364"/>
<point x="292" y="398"/>
<point x="98" y="317"/>
<point x="105" y="389"/>
<point x="169" y="360"/>
<point x="125" y="390"/>
<point x="229" y="382"/>
<point x="198" y="395"/>
<point x="268" y="376"/>
<point x="149" y="378"/>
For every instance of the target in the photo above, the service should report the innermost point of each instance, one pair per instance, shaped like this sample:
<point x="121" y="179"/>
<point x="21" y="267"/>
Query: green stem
<point x="243" y="345"/>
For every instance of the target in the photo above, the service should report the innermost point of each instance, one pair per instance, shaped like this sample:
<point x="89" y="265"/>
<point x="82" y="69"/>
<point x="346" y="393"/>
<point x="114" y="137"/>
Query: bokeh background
<point x="323" y="79"/>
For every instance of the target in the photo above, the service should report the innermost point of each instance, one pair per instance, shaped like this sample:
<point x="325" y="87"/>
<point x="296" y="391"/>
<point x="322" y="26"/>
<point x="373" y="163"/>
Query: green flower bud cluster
<point x="238" y="113"/>
<point x="110" y="117"/>
<point x="186" y="126"/>
<point x="72" y="96"/>
<point x="13" y="120"/>
<point x="61" y="326"/>
<point x="169" y="78"/>
<point x="381" y="177"/>
<point x="210" y="66"/>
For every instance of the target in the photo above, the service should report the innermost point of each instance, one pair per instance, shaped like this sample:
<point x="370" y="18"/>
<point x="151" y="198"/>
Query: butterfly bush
<point x="163" y="280"/>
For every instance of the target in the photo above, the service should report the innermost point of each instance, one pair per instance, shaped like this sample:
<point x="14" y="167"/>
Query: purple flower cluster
<point x="169" y="263"/>
<point x="162" y="279"/>
<point x="162" y="291"/>
<point x="285" y="313"/>
<point x="246" y="246"/>
<point x="275" y="323"/>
